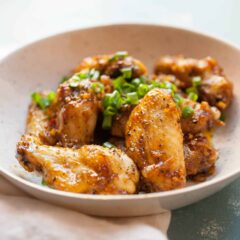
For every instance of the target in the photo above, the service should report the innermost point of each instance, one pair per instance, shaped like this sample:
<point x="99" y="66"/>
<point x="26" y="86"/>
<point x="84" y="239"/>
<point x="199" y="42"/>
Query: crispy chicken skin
<point x="199" y="154"/>
<point x="110" y="68"/>
<point x="215" y="88"/>
<point x="89" y="169"/>
<point x="154" y="141"/>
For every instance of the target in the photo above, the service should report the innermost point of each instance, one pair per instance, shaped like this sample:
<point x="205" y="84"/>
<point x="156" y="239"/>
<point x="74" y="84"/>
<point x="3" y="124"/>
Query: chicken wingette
<point x="154" y="140"/>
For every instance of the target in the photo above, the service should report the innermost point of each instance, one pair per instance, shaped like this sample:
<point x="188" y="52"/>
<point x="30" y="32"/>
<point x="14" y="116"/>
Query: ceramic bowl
<point x="42" y="64"/>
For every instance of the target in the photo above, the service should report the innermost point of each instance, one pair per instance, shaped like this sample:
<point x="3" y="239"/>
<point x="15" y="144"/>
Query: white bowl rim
<point x="210" y="182"/>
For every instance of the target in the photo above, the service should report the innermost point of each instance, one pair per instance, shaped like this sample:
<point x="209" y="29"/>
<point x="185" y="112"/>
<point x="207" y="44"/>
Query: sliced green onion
<point x="128" y="87"/>
<point x="191" y="90"/>
<point x="155" y="84"/>
<point x="222" y="117"/>
<point x="76" y="78"/>
<point x="118" y="55"/>
<point x="196" y="81"/>
<point x="51" y="96"/>
<point x="136" y="82"/>
<point x="143" y="89"/>
<point x="178" y="99"/>
<point x="110" y="111"/>
<point x="132" y="98"/>
<point x="94" y="74"/>
<point x="64" y="79"/>
<point x="74" y="84"/>
<point x="112" y="99"/>
<point x="187" y="111"/>
<point x="97" y="87"/>
<point x="107" y="122"/>
<point x="43" y="101"/>
<point x="83" y="74"/>
<point x="118" y="83"/>
<point x="143" y="79"/>
<point x="108" y="145"/>
<point x="193" y="96"/>
<point x="126" y="72"/>
<point x="171" y="86"/>
<point x="44" y="183"/>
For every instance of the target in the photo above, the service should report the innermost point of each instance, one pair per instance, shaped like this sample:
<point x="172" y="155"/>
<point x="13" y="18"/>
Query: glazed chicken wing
<point x="154" y="141"/>
<point x="90" y="169"/>
<point x="215" y="88"/>
<point x="111" y="65"/>
<point x="200" y="155"/>
<point x="204" y="117"/>
<point x="217" y="91"/>
<point x="76" y="113"/>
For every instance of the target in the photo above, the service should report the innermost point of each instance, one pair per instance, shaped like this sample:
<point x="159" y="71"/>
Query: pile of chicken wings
<point x="112" y="127"/>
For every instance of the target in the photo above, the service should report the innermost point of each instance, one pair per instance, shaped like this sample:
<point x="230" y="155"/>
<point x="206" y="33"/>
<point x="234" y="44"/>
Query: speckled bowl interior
<point x="42" y="64"/>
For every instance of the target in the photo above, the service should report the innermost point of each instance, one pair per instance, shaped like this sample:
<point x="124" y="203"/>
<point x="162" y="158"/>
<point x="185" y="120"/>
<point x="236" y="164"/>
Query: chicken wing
<point x="217" y="91"/>
<point x="200" y="155"/>
<point x="90" y="169"/>
<point x="154" y="141"/>
<point x="75" y="113"/>
<point x="215" y="87"/>
<point x="203" y="118"/>
<point x="110" y="66"/>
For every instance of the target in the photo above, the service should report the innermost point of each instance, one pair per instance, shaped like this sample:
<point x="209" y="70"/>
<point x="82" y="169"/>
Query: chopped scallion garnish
<point x="222" y="117"/>
<point x="143" y="89"/>
<point x="44" y="183"/>
<point x="108" y="145"/>
<point x="107" y="122"/>
<point x="74" y="84"/>
<point x="132" y="98"/>
<point x="94" y="74"/>
<point x="178" y="99"/>
<point x="196" y="81"/>
<point x="191" y="90"/>
<point x="126" y="72"/>
<point x="118" y="55"/>
<point x="64" y="79"/>
<point x="187" y="111"/>
<point x="193" y="96"/>
<point x="97" y="87"/>
<point x="43" y="101"/>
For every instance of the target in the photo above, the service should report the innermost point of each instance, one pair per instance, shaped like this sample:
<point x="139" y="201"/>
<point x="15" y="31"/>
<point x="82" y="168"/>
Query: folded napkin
<point x="23" y="217"/>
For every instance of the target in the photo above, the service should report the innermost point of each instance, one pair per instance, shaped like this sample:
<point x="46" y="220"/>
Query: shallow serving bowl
<point x="42" y="64"/>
